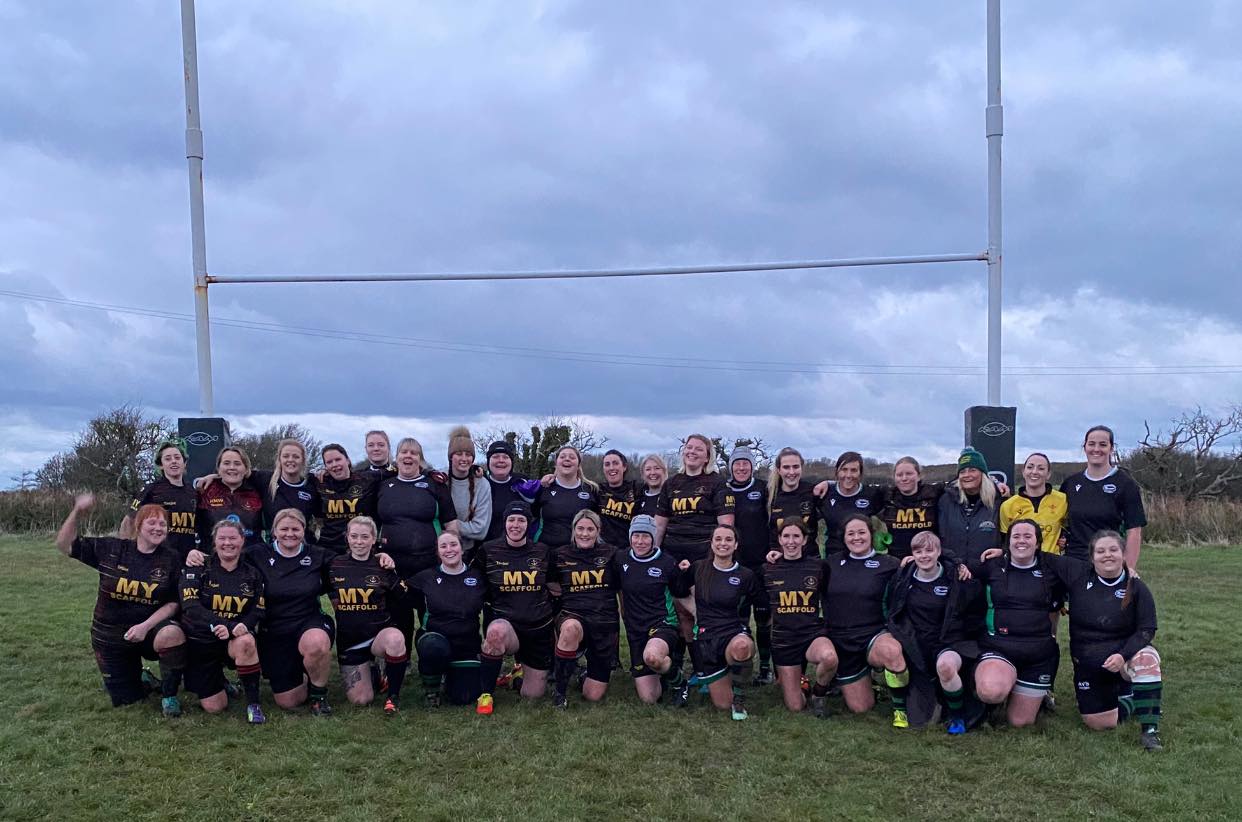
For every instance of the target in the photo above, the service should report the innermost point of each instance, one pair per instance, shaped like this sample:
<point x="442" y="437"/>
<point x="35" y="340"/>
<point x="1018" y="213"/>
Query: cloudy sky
<point x="395" y="136"/>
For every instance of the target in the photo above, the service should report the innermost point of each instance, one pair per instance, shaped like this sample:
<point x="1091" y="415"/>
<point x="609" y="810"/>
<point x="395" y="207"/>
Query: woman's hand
<point x="963" y="573"/>
<point x="196" y="558"/>
<point x="991" y="553"/>
<point x="906" y="561"/>
<point x="684" y="565"/>
<point x="136" y="633"/>
<point x="546" y="480"/>
<point x="83" y="502"/>
<point x="240" y="629"/>
<point x="773" y="556"/>
<point x="205" y="480"/>
<point x="1115" y="663"/>
<point x="821" y="489"/>
<point x="221" y="631"/>
<point x="385" y="561"/>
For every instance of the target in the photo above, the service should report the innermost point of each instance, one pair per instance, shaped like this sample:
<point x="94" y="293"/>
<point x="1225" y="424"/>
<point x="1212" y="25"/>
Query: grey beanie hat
<point x="643" y="524"/>
<point x="741" y="452"/>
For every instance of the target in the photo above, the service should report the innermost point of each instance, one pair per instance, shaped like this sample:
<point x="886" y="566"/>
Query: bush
<point x="1176" y="521"/>
<point x="24" y="512"/>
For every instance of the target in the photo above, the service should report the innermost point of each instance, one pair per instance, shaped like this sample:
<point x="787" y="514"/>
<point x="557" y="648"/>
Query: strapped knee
<point x="1144" y="666"/>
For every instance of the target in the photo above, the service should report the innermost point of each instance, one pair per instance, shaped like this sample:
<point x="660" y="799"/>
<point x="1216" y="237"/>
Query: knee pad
<point x="1144" y="666"/>
<point x="434" y="654"/>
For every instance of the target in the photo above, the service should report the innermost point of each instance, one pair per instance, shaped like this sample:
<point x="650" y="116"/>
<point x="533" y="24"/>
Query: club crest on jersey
<point x="372" y="579"/>
<point x="625" y="567"/>
<point x="1120" y="593"/>
<point x="941" y="590"/>
<point x="987" y="525"/>
<point x="190" y="575"/>
<point x="861" y="503"/>
<point x="304" y="495"/>
<point x="271" y="560"/>
<point x="470" y="581"/>
<point x="754" y="495"/>
<point x="1109" y="488"/>
<point x="245" y="589"/>
<point x="421" y="485"/>
<point x="601" y="561"/>
<point x="534" y="563"/>
<point x="584" y="495"/>
<point x="1078" y="486"/>
<point x="1038" y="574"/>
<point x="304" y="561"/>
<point x="158" y="574"/>
<point x="810" y="582"/>
<point x="871" y="563"/>
<point x="653" y="572"/>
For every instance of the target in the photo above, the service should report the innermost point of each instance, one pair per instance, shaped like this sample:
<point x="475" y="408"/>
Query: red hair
<point x="149" y="510"/>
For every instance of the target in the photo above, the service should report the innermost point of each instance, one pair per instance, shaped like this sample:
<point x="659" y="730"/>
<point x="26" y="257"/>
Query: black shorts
<point x="708" y="651"/>
<point x="1035" y="661"/>
<point x="599" y="643"/>
<point x="535" y="646"/>
<point x="205" y="664"/>
<point x="1096" y="687"/>
<point x="790" y="651"/>
<point x="638" y="643"/>
<point x="356" y="653"/>
<point x="279" y="656"/>
<point x="121" y="665"/>
<point x="853" y="648"/>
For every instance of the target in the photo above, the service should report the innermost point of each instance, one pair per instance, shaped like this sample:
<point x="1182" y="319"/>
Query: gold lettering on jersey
<point x="595" y="577"/>
<point x="134" y="590"/>
<point x="911" y="518"/>
<point x="228" y="604"/>
<point x="337" y="507"/>
<point x="189" y="593"/>
<point x="686" y="505"/>
<point x="519" y="578"/>
<point x="355" y="596"/>
<point x="614" y="507"/>
<point x="183" y="522"/>
<point x="793" y="599"/>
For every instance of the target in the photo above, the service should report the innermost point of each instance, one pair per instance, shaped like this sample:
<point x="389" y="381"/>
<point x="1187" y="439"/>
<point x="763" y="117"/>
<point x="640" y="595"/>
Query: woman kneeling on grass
<point x="135" y="605"/>
<point x="795" y="585"/>
<point x="588" y="622"/>
<point x="363" y="593"/>
<point x="722" y="642"/>
<point x="450" y="597"/>
<point x="222" y="603"/>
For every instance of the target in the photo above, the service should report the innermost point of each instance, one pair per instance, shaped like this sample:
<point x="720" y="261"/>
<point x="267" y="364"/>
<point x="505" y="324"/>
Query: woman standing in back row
<point x="1102" y="497"/>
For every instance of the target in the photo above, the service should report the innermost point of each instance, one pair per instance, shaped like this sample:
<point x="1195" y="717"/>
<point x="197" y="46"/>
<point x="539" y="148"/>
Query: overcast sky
<point x="396" y="136"/>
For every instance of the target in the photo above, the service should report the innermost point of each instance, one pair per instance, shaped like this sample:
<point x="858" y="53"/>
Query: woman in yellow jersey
<point x="1038" y="501"/>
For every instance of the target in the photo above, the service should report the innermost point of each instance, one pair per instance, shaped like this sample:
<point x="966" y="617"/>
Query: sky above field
<point x="388" y="137"/>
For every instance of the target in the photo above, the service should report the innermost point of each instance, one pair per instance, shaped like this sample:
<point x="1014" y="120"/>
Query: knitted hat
<point x="519" y="507"/>
<point x="643" y="524"/>
<point x="500" y="447"/>
<point x="460" y="440"/>
<point x="970" y="458"/>
<point x="741" y="452"/>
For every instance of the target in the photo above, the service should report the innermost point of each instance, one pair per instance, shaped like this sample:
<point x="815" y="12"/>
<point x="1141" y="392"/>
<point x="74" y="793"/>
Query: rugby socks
<point x="674" y="678"/>
<point x="314" y="691"/>
<point x="737" y="673"/>
<point x="172" y="663"/>
<point x="898" y="684"/>
<point x="489" y="671"/>
<point x="249" y="675"/>
<point x="956" y="702"/>
<point x="1142" y="704"/>
<point x="678" y="653"/>
<point x="565" y="666"/>
<point x="395" y="668"/>
<point x="819" y="690"/>
<point x="763" y="639"/>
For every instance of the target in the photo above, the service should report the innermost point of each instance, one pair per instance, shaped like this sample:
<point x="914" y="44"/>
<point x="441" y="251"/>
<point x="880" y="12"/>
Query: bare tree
<point x="1198" y="457"/>
<point x="113" y="453"/>
<point x="261" y="448"/>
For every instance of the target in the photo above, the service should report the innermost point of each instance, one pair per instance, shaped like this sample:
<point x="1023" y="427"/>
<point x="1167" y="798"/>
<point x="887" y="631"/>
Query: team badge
<point x="584" y="495"/>
<point x="245" y="589"/>
<point x="810" y="582"/>
<point x="534" y="563"/>
<point x="1038" y="574"/>
<point x="304" y="561"/>
<point x="871" y="563"/>
<point x="158" y="575"/>
<point x="372" y="580"/>
<point x="470" y="581"/>
<point x="303" y="495"/>
<point x="1109" y="488"/>
<point x="735" y="580"/>
<point x="754" y="495"/>
<point x="861" y="503"/>
<point x="654" y="573"/>
<point x="1120" y="593"/>
<point x="601" y="561"/>
<point x="941" y="590"/>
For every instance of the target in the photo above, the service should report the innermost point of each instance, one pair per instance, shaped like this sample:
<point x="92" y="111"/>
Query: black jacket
<point x="962" y="616"/>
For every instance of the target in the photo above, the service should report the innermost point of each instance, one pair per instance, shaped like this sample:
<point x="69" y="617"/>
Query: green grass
<point x="65" y="754"/>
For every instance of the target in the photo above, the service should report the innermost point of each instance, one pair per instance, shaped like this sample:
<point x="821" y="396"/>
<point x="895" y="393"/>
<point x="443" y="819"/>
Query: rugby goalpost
<point x="989" y="422"/>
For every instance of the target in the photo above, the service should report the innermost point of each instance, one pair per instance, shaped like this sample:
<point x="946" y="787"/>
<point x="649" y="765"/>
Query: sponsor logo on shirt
<point x="735" y="580"/>
<point x="754" y="495"/>
<point x="304" y="495"/>
<point x="987" y="525"/>
<point x="584" y="495"/>
<point x="655" y="573"/>
<point x="861" y="503"/>
<point x="1085" y="685"/>
<point x="810" y="582"/>
<point x="941" y="590"/>
<point x="1120" y="593"/>
<point x="870" y="563"/>
<point x="304" y="561"/>
<point x="1044" y="679"/>
<point x="421" y="485"/>
<point x="201" y="438"/>
<point x="1109" y="488"/>
<point x="1038" y="574"/>
<point x="470" y="581"/>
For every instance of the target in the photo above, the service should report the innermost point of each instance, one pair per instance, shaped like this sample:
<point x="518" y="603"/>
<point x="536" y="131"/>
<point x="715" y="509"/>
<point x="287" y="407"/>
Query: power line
<point x="646" y="360"/>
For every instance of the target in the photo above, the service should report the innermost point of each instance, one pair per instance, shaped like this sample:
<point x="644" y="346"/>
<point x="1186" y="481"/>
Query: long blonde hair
<point x="710" y="467"/>
<point x="582" y="478"/>
<point x="277" y="474"/>
<point x="774" y="480"/>
<point x="987" y="493"/>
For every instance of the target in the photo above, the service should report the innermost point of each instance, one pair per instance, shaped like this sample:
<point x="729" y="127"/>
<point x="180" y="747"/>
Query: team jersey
<point x="212" y="595"/>
<point x="588" y="582"/>
<point x="517" y="581"/>
<point x="795" y="591"/>
<point x="868" y="500"/>
<point x="180" y="504"/>
<point x="750" y="517"/>
<point x="339" y="502"/>
<point x="800" y="502"/>
<point x="691" y="505"/>
<point x="1018" y="599"/>
<point x="217" y="503"/>
<point x="409" y="512"/>
<point x="514" y="488"/>
<point x="718" y="601"/>
<point x="648" y="587"/>
<point x="450" y="603"/>
<point x="555" y="506"/>
<point x="616" y="509"/>
<point x="906" y="515"/>
<point x="303" y="496"/>
<point x="362" y="593"/>
<point x="377" y="472"/>
<point x="1100" y="625"/>
<point x="856" y="592"/>
<point x="1048" y="509"/>
<point x="132" y="585"/>
<point x="926" y="602"/>
<point x="648" y="503"/>
<point x="291" y="585"/>
<point x="1113" y="503"/>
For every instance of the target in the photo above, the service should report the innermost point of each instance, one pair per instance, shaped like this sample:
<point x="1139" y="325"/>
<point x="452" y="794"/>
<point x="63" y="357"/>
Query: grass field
<point x="65" y="754"/>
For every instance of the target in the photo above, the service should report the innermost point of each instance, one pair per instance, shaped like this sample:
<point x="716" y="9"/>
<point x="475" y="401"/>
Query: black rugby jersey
<point x="907" y="515"/>
<point x="291" y="585"/>
<point x="450" y="603"/>
<point x="504" y="493"/>
<point x="303" y="497"/>
<point x="926" y="602"/>
<point x="750" y="517"/>
<point x="800" y="502"/>
<point x="554" y="509"/>
<point x="1018" y="599"/>
<point x="1099" y="625"/>
<point x="217" y="502"/>
<point x="795" y="591"/>
<point x="718" y="602"/>
<point x="648" y="587"/>
<point x="868" y="500"/>
<point x="132" y="585"/>
<point x="362" y="594"/>
<point x="648" y="503"/>
<point x="339" y="502"/>
<point x="617" y="507"/>
<point x="517" y="581"/>
<point x="408" y="512"/>
<point x="1114" y="503"/>
<point x="856" y="591"/>
<point x="588" y="582"/>
<point x="211" y="595"/>
<point x="180" y="503"/>
<point x="692" y="505"/>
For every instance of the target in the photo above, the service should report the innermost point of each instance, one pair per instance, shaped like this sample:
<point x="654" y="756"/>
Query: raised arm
<point x="69" y="528"/>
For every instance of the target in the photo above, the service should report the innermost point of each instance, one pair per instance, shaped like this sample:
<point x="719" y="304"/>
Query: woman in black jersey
<point x="910" y="506"/>
<point x="652" y="475"/>
<point x="650" y="583"/>
<point x="1102" y="497"/>
<point x="451" y="600"/>
<point x="854" y="610"/>
<point x="364" y="594"/>
<point x="618" y="499"/>
<point x="693" y="502"/>
<point x="519" y="579"/>
<point x="343" y="494"/>
<point x="135" y="605"/>
<point x="178" y="497"/>
<point x="287" y="486"/>
<point x="969" y="510"/>
<point x="588" y="621"/>
<point x="846" y="496"/>
<point x="1112" y="623"/>
<point x="506" y="486"/>
<point x="930" y="612"/>
<point x="792" y="497"/>
<point x="567" y="493"/>
<point x="222" y="605"/>
<point x="722" y="642"/>
<point x="795" y="585"/>
<point x="750" y="518"/>
<point x="379" y="455"/>
<point x="295" y="638"/>
<point x="230" y="496"/>
<point x="1019" y="656"/>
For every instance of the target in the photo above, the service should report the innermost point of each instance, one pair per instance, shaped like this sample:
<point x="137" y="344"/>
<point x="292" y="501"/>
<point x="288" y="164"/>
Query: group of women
<point x="949" y="593"/>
